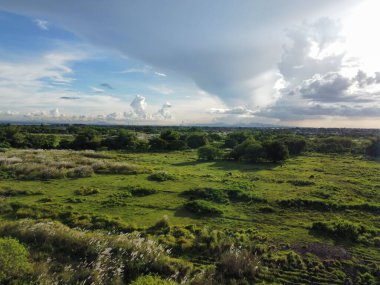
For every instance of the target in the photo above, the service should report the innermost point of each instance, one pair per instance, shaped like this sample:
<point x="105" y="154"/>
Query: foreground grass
<point x="279" y="203"/>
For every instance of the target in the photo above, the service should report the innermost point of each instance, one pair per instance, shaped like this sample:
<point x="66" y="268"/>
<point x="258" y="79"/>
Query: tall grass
<point x="56" y="164"/>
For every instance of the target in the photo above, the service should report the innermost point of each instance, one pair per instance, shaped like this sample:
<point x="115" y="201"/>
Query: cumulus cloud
<point x="138" y="114"/>
<point x="240" y="110"/>
<point x="55" y="113"/>
<point x="334" y="87"/>
<point x="139" y="107"/>
<point x="164" y="112"/>
<point x="319" y="79"/>
<point x="237" y="63"/>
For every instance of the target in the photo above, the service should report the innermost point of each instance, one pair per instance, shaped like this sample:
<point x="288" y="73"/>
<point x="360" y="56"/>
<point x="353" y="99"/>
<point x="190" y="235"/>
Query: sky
<point x="169" y="62"/>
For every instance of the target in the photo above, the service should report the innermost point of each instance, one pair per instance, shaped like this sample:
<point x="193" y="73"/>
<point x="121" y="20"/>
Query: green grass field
<point x="278" y="202"/>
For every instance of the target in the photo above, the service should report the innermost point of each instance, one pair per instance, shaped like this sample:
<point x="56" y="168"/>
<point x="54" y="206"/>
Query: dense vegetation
<point x="144" y="205"/>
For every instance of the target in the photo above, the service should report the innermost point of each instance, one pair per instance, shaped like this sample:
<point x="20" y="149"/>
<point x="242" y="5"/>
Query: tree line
<point x="247" y="145"/>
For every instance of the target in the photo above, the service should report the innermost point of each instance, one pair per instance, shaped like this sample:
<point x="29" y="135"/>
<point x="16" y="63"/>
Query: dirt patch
<point x="322" y="250"/>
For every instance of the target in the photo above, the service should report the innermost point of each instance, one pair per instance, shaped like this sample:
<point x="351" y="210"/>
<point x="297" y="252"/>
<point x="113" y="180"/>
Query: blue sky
<point x="169" y="62"/>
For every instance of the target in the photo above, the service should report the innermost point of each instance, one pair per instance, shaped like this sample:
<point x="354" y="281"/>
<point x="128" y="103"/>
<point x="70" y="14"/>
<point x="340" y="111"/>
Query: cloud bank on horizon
<point x="286" y="62"/>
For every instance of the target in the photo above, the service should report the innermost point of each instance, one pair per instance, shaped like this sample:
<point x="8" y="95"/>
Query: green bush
<point x="141" y="191"/>
<point x="210" y="194"/>
<point x="14" y="260"/>
<point x="84" y="191"/>
<point x="301" y="182"/>
<point x="373" y="150"/>
<point x="80" y="172"/>
<point x="342" y="229"/>
<point x="152" y="280"/>
<point x="238" y="264"/>
<point x="202" y="207"/>
<point x="161" y="176"/>
<point x="209" y="153"/>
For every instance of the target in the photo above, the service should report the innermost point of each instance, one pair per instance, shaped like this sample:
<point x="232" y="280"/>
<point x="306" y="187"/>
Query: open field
<point x="284" y="208"/>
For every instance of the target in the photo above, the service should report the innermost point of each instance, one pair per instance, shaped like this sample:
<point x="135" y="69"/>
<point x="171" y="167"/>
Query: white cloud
<point x="97" y="90"/>
<point x="164" y="112"/>
<point x="160" y="74"/>
<point x="34" y="73"/>
<point x="139" y="107"/>
<point x="162" y="89"/>
<point x="144" y="69"/>
<point x="240" y="110"/>
<point x="42" y="24"/>
<point x="319" y="80"/>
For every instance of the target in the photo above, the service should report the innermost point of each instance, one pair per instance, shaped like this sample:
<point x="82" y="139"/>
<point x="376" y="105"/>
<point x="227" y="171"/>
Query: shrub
<point x="13" y="192"/>
<point x="141" y="191"/>
<point x="80" y="172"/>
<point x="202" y="207"/>
<point x="301" y="182"/>
<point x="93" y="253"/>
<point x="116" y="168"/>
<point x="267" y="209"/>
<point x="86" y="191"/>
<point x="152" y="280"/>
<point x="238" y="264"/>
<point x="14" y="260"/>
<point x="276" y="151"/>
<point x="210" y="194"/>
<point x="162" y="225"/>
<point x="197" y="140"/>
<point x="342" y="229"/>
<point x="373" y="150"/>
<point x="161" y="176"/>
<point x="209" y="153"/>
<point x="243" y="196"/>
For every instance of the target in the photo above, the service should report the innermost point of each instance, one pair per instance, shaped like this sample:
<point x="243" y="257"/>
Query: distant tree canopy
<point x="251" y="145"/>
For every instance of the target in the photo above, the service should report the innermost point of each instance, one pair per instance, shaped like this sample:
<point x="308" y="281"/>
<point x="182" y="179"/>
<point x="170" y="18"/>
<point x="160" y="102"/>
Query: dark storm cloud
<point x="228" y="48"/>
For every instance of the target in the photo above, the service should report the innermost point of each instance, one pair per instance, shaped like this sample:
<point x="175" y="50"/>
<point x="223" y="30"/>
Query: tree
<point x="295" y="145"/>
<point x="209" y="153"/>
<point x="238" y="151"/>
<point x="14" y="136"/>
<point x="177" y="145"/>
<point x="42" y="141"/>
<point x="123" y="140"/>
<point x="158" y="143"/>
<point x="170" y="135"/>
<point x="197" y="140"/>
<point x="254" y="152"/>
<point x="235" y="138"/>
<point x="276" y="151"/>
<point x="87" y="139"/>
<point x="373" y="149"/>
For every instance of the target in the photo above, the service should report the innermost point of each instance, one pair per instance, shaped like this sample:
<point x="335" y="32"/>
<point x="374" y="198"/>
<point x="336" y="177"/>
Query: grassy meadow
<point x="311" y="220"/>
